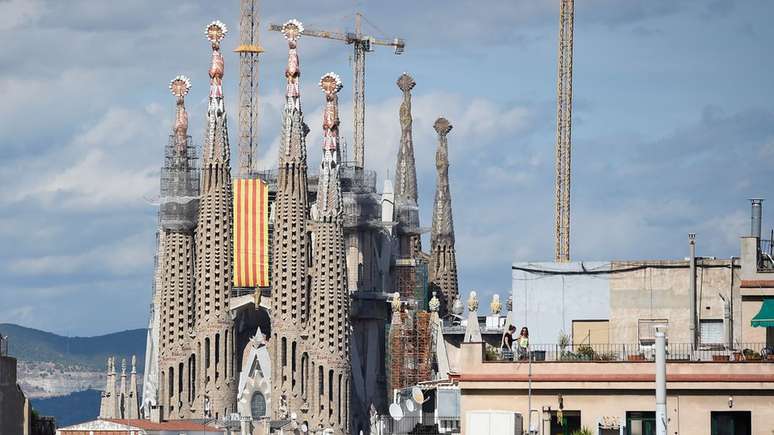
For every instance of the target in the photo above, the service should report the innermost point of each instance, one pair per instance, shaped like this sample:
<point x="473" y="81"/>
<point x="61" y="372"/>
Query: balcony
<point x="675" y="352"/>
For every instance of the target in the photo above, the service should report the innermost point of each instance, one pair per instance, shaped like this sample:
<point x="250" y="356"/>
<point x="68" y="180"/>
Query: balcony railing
<point x="632" y="352"/>
<point x="417" y="425"/>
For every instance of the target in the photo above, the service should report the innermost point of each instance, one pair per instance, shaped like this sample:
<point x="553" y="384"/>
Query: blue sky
<point x="673" y="130"/>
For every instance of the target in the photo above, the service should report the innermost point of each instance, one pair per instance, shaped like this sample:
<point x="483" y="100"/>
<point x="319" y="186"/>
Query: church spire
<point x="443" y="262"/>
<point x="329" y="323"/>
<point x="405" y="171"/>
<point x="212" y="323"/>
<point x="406" y="206"/>
<point x="290" y="283"/>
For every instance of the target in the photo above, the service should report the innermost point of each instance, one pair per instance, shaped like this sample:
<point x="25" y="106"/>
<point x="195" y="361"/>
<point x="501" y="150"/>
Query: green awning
<point x="765" y="317"/>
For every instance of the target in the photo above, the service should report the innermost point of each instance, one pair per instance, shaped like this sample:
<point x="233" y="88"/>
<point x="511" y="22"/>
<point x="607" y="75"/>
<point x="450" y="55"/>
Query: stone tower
<point x="131" y="402"/>
<point x="108" y="407"/>
<point x="443" y="262"/>
<point x="213" y="343"/>
<point x="177" y="219"/>
<point x="290" y="276"/>
<point x="406" y="203"/>
<point x="329" y="325"/>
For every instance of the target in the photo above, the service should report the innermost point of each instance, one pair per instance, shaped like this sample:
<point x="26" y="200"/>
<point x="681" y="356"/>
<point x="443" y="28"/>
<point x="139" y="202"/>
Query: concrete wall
<point x="12" y="419"/>
<point x="547" y="304"/>
<point x="657" y="289"/>
<point x="662" y="292"/>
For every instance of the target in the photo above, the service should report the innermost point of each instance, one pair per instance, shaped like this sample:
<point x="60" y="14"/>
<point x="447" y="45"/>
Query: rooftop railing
<point x="417" y="425"/>
<point x="675" y="352"/>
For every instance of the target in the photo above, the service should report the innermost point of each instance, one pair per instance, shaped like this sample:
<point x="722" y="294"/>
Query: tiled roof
<point x="167" y="425"/>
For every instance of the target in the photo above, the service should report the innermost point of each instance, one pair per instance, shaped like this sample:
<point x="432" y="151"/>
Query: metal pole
<point x="661" y="415"/>
<point x="692" y="288"/>
<point x="529" y="391"/>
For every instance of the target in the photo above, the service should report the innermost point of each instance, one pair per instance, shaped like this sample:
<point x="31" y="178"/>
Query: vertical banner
<point x="251" y="233"/>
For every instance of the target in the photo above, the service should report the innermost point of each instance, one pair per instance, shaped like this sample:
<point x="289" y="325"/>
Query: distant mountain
<point x="33" y="345"/>
<point x="71" y="409"/>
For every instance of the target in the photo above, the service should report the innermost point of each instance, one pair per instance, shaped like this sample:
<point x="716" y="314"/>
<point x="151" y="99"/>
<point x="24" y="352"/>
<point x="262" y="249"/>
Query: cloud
<point x="16" y="13"/>
<point x="86" y="115"/>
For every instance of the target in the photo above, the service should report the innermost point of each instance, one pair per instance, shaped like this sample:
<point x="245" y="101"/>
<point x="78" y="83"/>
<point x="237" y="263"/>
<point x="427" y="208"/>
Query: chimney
<point x="755" y="218"/>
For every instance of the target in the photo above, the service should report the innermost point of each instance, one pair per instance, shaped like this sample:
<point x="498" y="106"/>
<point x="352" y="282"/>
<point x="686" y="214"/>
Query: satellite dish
<point x="409" y="405"/>
<point x="304" y="428"/>
<point x="395" y="412"/>
<point x="417" y="395"/>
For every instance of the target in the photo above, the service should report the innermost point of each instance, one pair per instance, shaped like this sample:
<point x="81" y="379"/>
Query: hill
<point x="36" y="346"/>
<point x="73" y="408"/>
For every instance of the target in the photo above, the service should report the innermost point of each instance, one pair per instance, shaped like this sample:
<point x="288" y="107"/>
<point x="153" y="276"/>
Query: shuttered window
<point x="712" y="331"/>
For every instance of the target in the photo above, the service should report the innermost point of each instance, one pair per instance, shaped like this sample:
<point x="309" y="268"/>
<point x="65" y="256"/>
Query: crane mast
<point x="564" y="130"/>
<point x="358" y="91"/>
<point x="362" y="44"/>
<point x="249" y="49"/>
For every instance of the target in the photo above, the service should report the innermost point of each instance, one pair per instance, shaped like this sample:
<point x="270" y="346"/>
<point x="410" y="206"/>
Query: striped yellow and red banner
<point x="251" y="233"/>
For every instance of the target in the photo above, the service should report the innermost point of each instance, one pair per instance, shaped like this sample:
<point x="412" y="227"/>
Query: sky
<point x="673" y="129"/>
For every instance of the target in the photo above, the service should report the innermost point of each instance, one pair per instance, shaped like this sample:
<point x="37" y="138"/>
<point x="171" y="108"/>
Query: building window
<point x="591" y="332"/>
<point x="647" y="329"/>
<point x="258" y="405"/>
<point x="711" y="331"/>
<point x="641" y="423"/>
<point x="730" y="423"/>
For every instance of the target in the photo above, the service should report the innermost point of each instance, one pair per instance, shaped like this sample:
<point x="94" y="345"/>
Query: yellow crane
<point x="564" y="130"/>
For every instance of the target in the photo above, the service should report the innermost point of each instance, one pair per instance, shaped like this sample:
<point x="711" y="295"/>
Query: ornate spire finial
<point x="495" y="305"/>
<point x="329" y="189"/>
<point x="292" y="30"/>
<point x="406" y="83"/>
<point x="472" y="301"/>
<point x="434" y="303"/>
<point x="215" y="32"/>
<point x="509" y="303"/>
<point x="123" y="366"/>
<point x="180" y="86"/>
<point x="330" y="83"/>
<point x="134" y="364"/>
<point x="395" y="302"/>
<point x="442" y="126"/>
<point x="457" y="307"/>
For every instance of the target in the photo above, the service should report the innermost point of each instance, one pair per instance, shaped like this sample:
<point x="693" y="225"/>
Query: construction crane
<point x="362" y="44"/>
<point x="249" y="49"/>
<point x="564" y="130"/>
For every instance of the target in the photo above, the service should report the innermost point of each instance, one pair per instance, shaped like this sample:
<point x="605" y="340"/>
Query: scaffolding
<point x="179" y="185"/>
<point x="410" y="352"/>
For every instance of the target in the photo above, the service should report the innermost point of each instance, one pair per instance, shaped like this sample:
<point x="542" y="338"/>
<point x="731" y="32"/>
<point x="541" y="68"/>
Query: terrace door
<point x="730" y="423"/>
<point x="569" y="423"/>
<point x="641" y="423"/>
